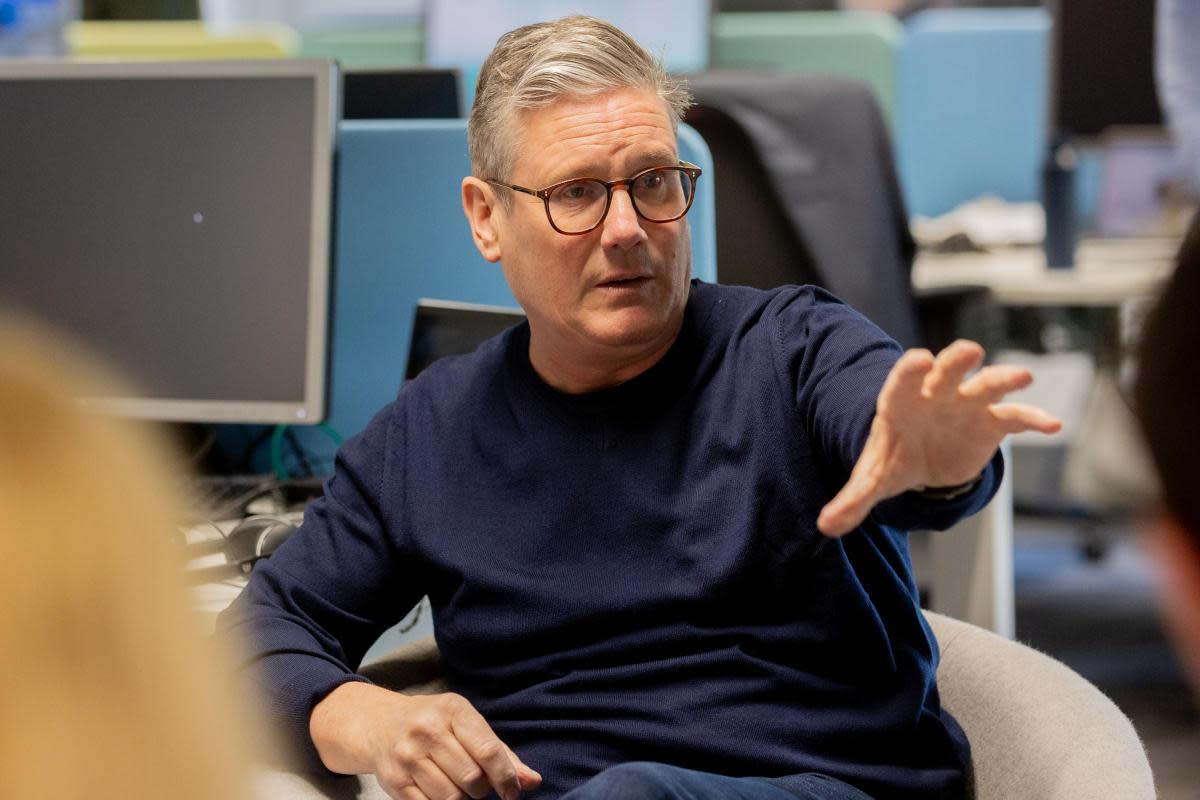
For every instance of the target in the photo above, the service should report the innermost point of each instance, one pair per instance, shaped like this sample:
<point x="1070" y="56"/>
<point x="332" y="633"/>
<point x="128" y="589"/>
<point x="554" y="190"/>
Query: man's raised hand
<point x="933" y="427"/>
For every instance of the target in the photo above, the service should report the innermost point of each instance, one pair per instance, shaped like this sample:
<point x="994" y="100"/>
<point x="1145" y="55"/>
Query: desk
<point x="1107" y="272"/>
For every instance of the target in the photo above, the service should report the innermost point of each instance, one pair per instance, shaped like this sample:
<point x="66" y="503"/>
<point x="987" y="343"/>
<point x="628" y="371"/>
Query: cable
<point x="298" y="452"/>
<point x="205" y="447"/>
<point x="277" y="436"/>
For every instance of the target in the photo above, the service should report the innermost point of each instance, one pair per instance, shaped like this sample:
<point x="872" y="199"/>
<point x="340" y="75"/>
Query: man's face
<point x="618" y="291"/>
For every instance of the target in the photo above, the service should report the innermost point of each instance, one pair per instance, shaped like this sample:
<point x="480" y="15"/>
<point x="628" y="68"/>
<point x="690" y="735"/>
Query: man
<point x="625" y="512"/>
<point x="1165" y="395"/>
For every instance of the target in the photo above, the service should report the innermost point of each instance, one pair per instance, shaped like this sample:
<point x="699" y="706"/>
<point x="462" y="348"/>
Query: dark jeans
<point x="646" y="781"/>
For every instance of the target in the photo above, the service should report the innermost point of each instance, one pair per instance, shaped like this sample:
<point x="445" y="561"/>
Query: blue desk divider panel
<point x="973" y="104"/>
<point x="400" y="235"/>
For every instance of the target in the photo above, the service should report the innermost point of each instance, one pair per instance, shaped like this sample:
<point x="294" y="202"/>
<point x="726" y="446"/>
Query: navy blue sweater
<point x="636" y="573"/>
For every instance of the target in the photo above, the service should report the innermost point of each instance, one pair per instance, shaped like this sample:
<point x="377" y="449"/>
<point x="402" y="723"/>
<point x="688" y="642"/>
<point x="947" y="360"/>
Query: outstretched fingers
<point x="1018" y="417"/>
<point x="905" y="379"/>
<point x="992" y="384"/>
<point x="952" y="365"/>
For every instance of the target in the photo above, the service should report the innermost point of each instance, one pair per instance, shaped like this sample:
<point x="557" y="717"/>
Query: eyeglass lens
<point x="659" y="195"/>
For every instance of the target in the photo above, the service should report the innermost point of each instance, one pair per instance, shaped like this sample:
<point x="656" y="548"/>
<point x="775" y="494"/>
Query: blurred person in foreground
<point x="107" y="689"/>
<point x="1167" y="403"/>
<point x="662" y="523"/>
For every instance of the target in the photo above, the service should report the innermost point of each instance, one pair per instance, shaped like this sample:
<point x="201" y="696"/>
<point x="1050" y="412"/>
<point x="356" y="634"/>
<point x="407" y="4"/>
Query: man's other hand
<point x="429" y="747"/>
<point x="933" y="427"/>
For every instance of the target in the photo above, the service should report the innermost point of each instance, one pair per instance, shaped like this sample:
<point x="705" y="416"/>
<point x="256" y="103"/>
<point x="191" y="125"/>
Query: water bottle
<point x="34" y="28"/>
<point x="1058" y="199"/>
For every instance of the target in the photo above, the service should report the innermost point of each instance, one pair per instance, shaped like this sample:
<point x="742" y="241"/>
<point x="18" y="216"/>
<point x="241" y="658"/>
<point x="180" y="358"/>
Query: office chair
<point x="1038" y="730"/>
<point x="809" y="194"/>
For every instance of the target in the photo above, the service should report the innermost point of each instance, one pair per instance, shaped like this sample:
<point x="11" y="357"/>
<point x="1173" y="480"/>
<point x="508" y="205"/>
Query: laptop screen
<point x="442" y="328"/>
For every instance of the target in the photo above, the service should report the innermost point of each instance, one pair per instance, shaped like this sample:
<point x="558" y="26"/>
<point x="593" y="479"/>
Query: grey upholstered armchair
<point x="1038" y="730"/>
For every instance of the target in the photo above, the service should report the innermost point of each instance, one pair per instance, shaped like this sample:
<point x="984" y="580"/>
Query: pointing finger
<point x="486" y="749"/>
<point x="450" y="756"/>
<point x="529" y="778"/>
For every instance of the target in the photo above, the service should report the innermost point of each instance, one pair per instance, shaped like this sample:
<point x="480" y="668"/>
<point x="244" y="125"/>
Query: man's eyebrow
<point x="593" y="169"/>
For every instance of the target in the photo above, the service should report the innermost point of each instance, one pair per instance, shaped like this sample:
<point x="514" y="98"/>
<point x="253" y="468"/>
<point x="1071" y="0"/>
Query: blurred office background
<point x="1034" y="161"/>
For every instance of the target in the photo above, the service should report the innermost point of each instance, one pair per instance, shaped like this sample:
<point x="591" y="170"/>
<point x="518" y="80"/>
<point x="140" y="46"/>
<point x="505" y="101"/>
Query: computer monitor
<point x="1102" y="66"/>
<point x="414" y="93"/>
<point x="175" y="218"/>
<point x="443" y="328"/>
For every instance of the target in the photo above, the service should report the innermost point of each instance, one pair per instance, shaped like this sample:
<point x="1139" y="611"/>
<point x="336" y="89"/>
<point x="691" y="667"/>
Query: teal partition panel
<point x="362" y="48"/>
<point x="973" y="105"/>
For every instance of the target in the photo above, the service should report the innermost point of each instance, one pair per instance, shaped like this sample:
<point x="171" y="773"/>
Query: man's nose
<point x="622" y="227"/>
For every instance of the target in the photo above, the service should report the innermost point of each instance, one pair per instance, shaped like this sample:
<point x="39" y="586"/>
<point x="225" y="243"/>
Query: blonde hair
<point x="533" y="66"/>
<point x="108" y="690"/>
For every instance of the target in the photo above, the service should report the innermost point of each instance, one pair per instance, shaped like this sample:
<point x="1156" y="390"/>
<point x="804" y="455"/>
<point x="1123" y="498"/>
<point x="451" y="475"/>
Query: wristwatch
<point x="949" y="492"/>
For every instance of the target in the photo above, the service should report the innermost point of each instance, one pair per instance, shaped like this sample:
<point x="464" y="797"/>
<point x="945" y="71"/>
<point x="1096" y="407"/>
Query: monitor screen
<point x="1103" y="66"/>
<point x="401" y="94"/>
<point x="174" y="217"/>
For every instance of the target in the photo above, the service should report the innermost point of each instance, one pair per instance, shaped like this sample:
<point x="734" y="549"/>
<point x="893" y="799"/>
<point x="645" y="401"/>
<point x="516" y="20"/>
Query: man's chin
<point x="628" y="328"/>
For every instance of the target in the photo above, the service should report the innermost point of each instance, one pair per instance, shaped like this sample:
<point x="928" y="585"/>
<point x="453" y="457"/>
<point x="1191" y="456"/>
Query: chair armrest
<point x="412" y="668"/>
<point x="1038" y="730"/>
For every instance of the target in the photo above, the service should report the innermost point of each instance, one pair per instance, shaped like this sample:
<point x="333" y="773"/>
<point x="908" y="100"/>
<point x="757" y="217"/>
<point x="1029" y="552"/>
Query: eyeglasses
<point x="579" y="205"/>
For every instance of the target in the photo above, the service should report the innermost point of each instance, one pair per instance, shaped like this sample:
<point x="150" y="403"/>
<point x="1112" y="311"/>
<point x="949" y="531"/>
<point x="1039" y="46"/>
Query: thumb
<point x="862" y="491"/>
<point x="847" y="509"/>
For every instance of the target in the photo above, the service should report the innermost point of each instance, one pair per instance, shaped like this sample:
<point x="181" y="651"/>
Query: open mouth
<point x="625" y="282"/>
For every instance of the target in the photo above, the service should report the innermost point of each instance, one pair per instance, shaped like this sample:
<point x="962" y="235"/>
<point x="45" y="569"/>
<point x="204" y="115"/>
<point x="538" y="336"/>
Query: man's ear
<point x="480" y="204"/>
<point x="1176" y="552"/>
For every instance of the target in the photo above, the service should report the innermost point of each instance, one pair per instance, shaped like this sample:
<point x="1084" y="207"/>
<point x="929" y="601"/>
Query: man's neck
<point x="573" y="373"/>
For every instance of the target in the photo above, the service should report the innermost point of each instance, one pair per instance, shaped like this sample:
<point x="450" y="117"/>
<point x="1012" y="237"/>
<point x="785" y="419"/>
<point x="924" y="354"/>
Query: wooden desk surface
<point x="1107" y="272"/>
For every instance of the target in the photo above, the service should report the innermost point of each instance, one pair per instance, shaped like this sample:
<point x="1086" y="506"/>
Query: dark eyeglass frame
<point x="691" y="170"/>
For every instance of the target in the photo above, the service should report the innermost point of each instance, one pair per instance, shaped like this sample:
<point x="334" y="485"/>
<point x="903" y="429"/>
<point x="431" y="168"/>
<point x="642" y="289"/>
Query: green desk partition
<point x="862" y="45"/>
<point x="391" y="46"/>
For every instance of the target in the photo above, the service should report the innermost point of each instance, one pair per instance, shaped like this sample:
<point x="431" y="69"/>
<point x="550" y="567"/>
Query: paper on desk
<point x="987" y="221"/>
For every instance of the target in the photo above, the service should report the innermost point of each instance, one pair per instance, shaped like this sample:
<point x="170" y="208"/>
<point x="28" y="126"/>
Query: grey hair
<point x="533" y="66"/>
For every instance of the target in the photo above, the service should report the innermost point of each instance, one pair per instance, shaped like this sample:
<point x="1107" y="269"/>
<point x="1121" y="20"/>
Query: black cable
<point x="205" y="446"/>
<point x="252" y="445"/>
<point x="298" y="452"/>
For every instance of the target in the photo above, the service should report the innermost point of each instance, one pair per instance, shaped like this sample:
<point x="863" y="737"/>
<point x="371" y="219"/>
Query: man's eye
<point x="578" y="192"/>
<point x="651" y="180"/>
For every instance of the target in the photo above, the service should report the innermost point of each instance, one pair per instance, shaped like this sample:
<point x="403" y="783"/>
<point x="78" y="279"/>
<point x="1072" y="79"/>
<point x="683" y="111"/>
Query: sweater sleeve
<point x="311" y="611"/>
<point x="835" y="362"/>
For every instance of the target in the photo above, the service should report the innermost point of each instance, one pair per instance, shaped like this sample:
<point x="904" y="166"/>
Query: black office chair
<point x="807" y="192"/>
